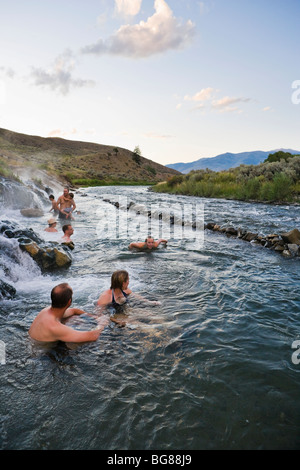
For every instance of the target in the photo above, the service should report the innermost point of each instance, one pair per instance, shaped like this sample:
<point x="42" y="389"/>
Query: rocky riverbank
<point x="287" y="243"/>
<point x="49" y="256"/>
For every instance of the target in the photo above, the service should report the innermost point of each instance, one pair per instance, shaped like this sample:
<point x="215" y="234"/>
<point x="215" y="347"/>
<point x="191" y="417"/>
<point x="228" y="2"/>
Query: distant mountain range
<point x="226" y="161"/>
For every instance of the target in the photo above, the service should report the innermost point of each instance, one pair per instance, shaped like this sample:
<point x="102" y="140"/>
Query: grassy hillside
<point x="277" y="179"/>
<point x="78" y="163"/>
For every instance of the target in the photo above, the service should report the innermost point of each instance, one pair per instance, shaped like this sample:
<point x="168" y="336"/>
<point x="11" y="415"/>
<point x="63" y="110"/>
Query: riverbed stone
<point x="31" y="248"/>
<point x="32" y="212"/>
<point x="62" y="258"/>
<point x="279" y="248"/>
<point x="6" y="290"/>
<point x="249" y="236"/>
<point x="231" y="231"/>
<point x="291" y="237"/>
<point x="286" y="253"/>
<point x="293" y="248"/>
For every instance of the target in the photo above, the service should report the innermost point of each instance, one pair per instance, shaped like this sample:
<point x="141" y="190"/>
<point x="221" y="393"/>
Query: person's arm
<point x="143" y="299"/>
<point x="161" y="240"/>
<point x="69" y="335"/>
<point x="136" y="245"/>
<point x="73" y="311"/>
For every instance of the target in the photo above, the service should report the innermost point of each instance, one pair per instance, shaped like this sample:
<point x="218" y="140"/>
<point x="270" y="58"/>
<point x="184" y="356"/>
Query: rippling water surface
<point x="210" y="368"/>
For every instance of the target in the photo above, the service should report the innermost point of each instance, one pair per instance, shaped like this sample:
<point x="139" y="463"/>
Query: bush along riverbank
<point x="276" y="180"/>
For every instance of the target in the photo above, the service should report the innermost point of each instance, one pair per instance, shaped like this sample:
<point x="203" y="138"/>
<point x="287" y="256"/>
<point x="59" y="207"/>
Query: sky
<point x="181" y="79"/>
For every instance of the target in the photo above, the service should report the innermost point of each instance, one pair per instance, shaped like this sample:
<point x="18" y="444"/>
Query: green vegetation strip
<point x="277" y="179"/>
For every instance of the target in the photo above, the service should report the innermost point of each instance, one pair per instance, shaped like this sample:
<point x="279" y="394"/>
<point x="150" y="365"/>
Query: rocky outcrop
<point x="49" y="256"/>
<point x="287" y="244"/>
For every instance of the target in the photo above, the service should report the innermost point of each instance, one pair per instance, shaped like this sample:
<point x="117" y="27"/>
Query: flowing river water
<point x="214" y="366"/>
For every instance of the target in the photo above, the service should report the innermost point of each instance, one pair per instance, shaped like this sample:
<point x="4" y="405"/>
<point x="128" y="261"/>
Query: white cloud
<point x="206" y="99"/>
<point x="161" y="32"/>
<point x="127" y="7"/>
<point x="202" y="95"/>
<point x="227" y="102"/>
<point x="225" y="105"/>
<point x="59" y="77"/>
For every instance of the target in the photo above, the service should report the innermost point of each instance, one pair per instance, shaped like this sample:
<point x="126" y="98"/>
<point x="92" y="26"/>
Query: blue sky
<point x="182" y="79"/>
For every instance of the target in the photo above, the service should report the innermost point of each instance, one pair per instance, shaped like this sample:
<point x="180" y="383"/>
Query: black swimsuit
<point x="113" y="301"/>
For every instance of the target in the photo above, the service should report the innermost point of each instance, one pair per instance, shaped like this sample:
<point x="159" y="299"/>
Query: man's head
<point x="149" y="243"/>
<point x="66" y="192"/>
<point x="68" y="229"/>
<point x="61" y="296"/>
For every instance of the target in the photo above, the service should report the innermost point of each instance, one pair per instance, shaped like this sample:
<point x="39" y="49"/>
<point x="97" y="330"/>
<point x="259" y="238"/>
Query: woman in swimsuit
<point x="118" y="292"/>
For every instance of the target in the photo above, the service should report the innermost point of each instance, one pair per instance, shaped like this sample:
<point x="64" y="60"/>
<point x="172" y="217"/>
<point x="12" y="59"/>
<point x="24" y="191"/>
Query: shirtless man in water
<point x="65" y="204"/>
<point x="48" y="326"/>
<point x="148" y="244"/>
<point x="68" y="231"/>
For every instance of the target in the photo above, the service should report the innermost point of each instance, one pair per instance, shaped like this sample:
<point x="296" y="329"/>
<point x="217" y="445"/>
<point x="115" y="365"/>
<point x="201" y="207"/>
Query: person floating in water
<point x="118" y="294"/>
<point x="148" y="245"/>
<point x="65" y="204"/>
<point x="51" y="225"/>
<point x="48" y="327"/>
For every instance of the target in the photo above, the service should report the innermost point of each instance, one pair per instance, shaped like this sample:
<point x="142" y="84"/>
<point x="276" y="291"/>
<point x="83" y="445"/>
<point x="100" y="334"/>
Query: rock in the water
<point x="293" y="248"/>
<point x="49" y="257"/>
<point x="6" y="290"/>
<point x="291" y="237"/>
<point x="32" y="212"/>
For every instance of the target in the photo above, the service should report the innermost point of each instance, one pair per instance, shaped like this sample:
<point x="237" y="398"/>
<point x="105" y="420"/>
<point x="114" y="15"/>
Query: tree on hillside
<point x="137" y="155"/>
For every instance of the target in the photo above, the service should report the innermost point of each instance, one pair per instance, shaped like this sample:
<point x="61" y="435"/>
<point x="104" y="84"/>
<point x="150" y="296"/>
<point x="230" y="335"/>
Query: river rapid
<point x="214" y="366"/>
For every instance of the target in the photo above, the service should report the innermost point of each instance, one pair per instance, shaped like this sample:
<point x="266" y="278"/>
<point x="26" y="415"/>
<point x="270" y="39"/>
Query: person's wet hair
<point x="60" y="295"/>
<point x="118" y="278"/>
<point x="65" y="227"/>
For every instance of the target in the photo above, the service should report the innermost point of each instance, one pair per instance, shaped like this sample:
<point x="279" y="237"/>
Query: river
<point x="214" y="366"/>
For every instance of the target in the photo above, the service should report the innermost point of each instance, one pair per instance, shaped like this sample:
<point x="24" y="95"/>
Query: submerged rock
<point x="6" y="290"/>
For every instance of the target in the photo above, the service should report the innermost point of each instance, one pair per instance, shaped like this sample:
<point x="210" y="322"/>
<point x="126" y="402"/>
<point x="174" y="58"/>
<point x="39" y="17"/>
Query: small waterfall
<point x="15" y="267"/>
<point x="15" y="195"/>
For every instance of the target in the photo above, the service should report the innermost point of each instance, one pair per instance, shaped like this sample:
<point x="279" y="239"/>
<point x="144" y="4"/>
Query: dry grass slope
<point x="75" y="162"/>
